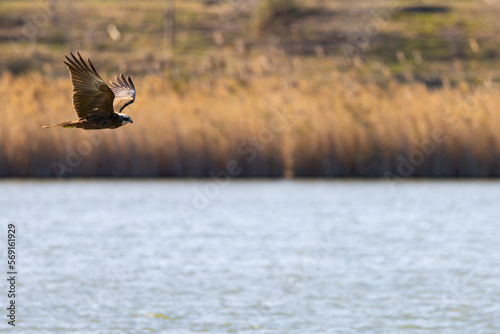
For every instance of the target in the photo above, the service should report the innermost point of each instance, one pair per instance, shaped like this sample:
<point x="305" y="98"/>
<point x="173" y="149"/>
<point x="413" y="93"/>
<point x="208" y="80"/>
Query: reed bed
<point x="250" y="120"/>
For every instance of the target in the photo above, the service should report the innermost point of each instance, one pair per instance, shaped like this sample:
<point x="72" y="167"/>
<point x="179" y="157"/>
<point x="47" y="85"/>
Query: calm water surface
<point x="254" y="256"/>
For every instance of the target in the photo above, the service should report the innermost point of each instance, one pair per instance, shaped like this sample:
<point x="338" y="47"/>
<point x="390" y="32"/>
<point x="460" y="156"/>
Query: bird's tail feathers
<point x="50" y="126"/>
<point x="64" y="125"/>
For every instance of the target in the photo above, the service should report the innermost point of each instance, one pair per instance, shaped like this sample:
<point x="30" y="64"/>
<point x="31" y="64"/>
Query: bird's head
<point x="125" y="119"/>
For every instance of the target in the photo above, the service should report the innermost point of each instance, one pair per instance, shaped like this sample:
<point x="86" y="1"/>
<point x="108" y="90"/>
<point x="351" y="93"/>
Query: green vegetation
<point x="442" y="32"/>
<point x="275" y="17"/>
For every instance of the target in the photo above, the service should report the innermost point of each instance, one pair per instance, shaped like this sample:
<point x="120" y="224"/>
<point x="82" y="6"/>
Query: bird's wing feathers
<point x="91" y="95"/>
<point x="124" y="91"/>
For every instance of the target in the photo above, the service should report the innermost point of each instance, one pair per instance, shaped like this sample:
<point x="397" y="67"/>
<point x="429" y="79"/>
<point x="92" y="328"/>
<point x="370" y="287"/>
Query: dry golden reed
<point x="253" y="123"/>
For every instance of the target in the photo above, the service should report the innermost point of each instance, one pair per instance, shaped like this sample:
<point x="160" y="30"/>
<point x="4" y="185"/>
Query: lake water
<point x="280" y="256"/>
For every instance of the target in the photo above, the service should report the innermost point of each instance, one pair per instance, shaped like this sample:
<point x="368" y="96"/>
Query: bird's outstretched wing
<point x="91" y="95"/>
<point x="124" y="91"/>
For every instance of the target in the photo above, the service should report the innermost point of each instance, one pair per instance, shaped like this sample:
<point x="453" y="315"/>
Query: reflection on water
<point x="255" y="257"/>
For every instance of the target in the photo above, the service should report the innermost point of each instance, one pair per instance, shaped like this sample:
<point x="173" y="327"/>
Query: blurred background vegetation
<point x="362" y="82"/>
<point x="453" y="39"/>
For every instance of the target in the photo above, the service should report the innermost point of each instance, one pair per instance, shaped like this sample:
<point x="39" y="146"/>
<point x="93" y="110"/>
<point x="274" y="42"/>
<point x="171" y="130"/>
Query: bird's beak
<point x="131" y="122"/>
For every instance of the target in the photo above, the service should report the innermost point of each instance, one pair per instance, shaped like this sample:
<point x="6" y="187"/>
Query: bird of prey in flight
<point x="97" y="105"/>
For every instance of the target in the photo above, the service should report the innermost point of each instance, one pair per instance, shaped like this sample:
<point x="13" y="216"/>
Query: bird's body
<point x="97" y="105"/>
<point x="95" y="122"/>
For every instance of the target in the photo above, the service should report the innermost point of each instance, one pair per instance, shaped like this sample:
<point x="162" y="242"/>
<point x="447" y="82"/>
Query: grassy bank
<point x="271" y="117"/>
<point x="267" y="88"/>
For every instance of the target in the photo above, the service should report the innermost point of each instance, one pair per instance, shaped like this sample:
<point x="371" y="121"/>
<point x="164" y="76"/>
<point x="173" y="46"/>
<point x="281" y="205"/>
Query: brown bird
<point x="97" y="105"/>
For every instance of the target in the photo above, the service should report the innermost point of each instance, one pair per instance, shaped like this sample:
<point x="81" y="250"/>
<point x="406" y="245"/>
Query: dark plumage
<point x="97" y="105"/>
